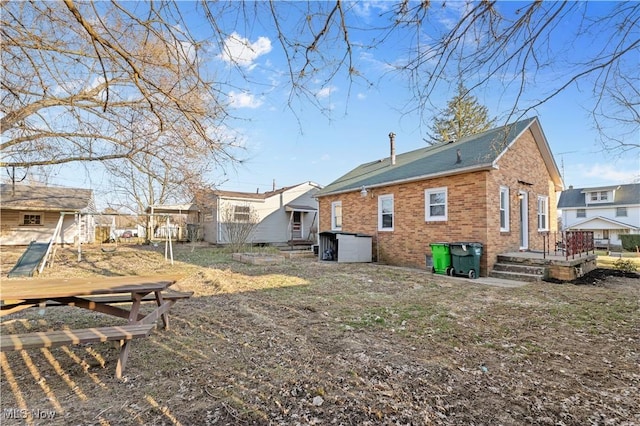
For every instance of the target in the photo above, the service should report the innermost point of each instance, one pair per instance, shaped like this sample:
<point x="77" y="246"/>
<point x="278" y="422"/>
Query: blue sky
<point x="287" y="148"/>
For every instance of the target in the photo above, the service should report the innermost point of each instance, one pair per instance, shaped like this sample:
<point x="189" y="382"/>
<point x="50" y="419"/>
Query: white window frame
<point x="599" y="197"/>
<point x="381" y="200"/>
<point x="583" y="211"/>
<point x="335" y="226"/>
<point x="427" y="204"/>
<point x="24" y="214"/>
<point x="504" y="209"/>
<point x="543" y="212"/>
<point x="241" y="212"/>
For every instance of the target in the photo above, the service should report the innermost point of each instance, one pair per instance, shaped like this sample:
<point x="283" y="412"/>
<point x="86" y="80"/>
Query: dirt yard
<point x="306" y="342"/>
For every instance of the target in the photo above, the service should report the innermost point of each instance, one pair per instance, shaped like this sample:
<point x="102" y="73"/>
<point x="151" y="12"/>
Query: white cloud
<point x="611" y="173"/>
<point x="325" y="92"/>
<point x="244" y="100"/>
<point x="239" y="50"/>
<point x="361" y="96"/>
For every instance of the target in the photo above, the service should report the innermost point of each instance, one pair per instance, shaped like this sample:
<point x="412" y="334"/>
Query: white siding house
<point x="31" y="213"/>
<point x="286" y="216"/>
<point x="608" y="211"/>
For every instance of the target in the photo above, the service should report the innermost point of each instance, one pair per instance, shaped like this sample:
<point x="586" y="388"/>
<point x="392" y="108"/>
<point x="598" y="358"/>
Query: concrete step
<point x="515" y="276"/>
<point x="519" y="268"/>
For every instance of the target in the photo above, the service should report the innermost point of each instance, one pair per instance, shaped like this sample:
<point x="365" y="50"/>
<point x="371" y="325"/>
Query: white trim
<point x="427" y="204"/>
<point x="31" y="213"/>
<point x="524" y="220"/>
<point x="543" y="211"/>
<point x="507" y="207"/>
<point x="334" y="225"/>
<point x="381" y="200"/>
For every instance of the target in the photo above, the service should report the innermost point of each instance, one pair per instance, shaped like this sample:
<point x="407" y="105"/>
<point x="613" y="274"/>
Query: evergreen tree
<point x="464" y="116"/>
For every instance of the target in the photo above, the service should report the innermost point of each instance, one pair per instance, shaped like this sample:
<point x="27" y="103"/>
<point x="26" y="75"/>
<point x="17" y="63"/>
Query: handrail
<point x="570" y="243"/>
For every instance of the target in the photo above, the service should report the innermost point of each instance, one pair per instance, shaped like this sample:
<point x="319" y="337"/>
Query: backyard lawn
<point x="307" y="342"/>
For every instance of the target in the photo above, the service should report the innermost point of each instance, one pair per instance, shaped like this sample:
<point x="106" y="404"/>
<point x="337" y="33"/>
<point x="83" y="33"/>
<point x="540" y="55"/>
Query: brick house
<point x="497" y="188"/>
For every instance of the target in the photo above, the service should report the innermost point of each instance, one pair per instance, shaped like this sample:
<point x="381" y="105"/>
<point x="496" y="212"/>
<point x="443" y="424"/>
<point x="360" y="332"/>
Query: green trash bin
<point x="441" y="258"/>
<point x="465" y="259"/>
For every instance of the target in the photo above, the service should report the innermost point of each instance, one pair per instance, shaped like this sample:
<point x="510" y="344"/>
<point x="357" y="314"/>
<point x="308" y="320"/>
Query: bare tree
<point x="239" y="221"/>
<point x="73" y="74"/>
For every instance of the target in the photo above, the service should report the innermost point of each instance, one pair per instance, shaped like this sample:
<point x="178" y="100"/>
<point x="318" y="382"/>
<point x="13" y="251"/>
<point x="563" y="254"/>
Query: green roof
<point x="476" y="152"/>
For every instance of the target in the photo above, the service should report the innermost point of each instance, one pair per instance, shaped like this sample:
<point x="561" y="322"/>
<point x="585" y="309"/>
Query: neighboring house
<point x="497" y="188"/>
<point x="180" y="221"/>
<point x="31" y="213"/>
<point x="608" y="211"/>
<point x="286" y="216"/>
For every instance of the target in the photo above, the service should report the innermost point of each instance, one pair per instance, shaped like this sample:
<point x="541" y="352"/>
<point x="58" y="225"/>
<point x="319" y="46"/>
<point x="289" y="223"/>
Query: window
<point x="435" y="204"/>
<point x="581" y="213"/>
<point x="504" y="209"/>
<point x="543" y="213"/>
<point x="241" y="213"/>
<point x="32" y="219"/>
<point x="621" y="211"/>
<point x="599" y="197"/>
<point x="385" y="213"/>
<point x="336" y="215"/>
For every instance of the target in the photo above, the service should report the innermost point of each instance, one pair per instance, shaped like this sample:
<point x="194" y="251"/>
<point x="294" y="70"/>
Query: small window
<point x="599" y="197"/>
<point x="336" y="215"/>
<point x="581" y="213"/>
<point x="32" y="219"/>
<point x="385" y="213"/>
<point x="543" y="213"/>
<point x="435" y="204"/>
<point x="241" y="213"/>
<point x="621" y="211"/>
<point x="504" y="209"/>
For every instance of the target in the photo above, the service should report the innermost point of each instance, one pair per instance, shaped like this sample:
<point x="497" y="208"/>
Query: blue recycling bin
<point x="465" y="259"/>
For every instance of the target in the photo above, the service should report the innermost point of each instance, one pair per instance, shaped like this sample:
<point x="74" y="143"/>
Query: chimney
<point x="392" y="142"/>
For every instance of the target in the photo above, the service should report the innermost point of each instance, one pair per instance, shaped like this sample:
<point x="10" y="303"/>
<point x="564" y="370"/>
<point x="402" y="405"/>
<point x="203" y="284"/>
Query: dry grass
<point x="307" y="342"/>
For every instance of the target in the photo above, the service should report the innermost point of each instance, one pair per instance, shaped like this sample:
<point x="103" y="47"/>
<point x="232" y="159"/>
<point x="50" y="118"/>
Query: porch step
<point x="518" y="271"/>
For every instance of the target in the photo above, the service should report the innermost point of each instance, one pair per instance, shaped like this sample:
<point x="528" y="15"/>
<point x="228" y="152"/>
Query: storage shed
<point x="344" y="247"/>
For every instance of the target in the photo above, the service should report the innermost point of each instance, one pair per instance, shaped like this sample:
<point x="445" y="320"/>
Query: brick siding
<point x="473" y="210"/>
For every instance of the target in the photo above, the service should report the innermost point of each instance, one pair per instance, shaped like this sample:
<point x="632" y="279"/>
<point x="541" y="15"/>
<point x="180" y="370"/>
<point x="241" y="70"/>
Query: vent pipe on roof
<point x="392" y="142"/>
<point x="459" y="157"/>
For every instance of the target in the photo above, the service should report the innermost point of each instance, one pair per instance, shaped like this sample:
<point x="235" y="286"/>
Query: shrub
<point x="625" y="265"/>
<point x="630" y="242"/>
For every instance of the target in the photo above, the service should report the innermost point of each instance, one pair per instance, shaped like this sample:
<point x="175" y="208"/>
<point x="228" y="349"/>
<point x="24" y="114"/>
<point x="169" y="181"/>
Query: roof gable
<point x="473" y="153"/>
<point x="601" y="222"/>
<point x="46" y="198"/>
<point x="257" y="195"/>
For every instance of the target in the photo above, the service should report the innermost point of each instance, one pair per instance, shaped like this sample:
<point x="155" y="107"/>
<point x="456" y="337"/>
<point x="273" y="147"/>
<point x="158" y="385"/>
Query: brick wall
<point x="473" y="210"/>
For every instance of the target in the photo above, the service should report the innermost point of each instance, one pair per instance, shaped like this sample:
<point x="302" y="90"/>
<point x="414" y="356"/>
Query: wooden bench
<point x="123" y="334"/>
<point x="126" y="297"/>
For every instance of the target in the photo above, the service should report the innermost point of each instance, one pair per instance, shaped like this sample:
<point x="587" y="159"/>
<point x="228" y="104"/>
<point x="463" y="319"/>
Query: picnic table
<point x="100" y="294"/>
